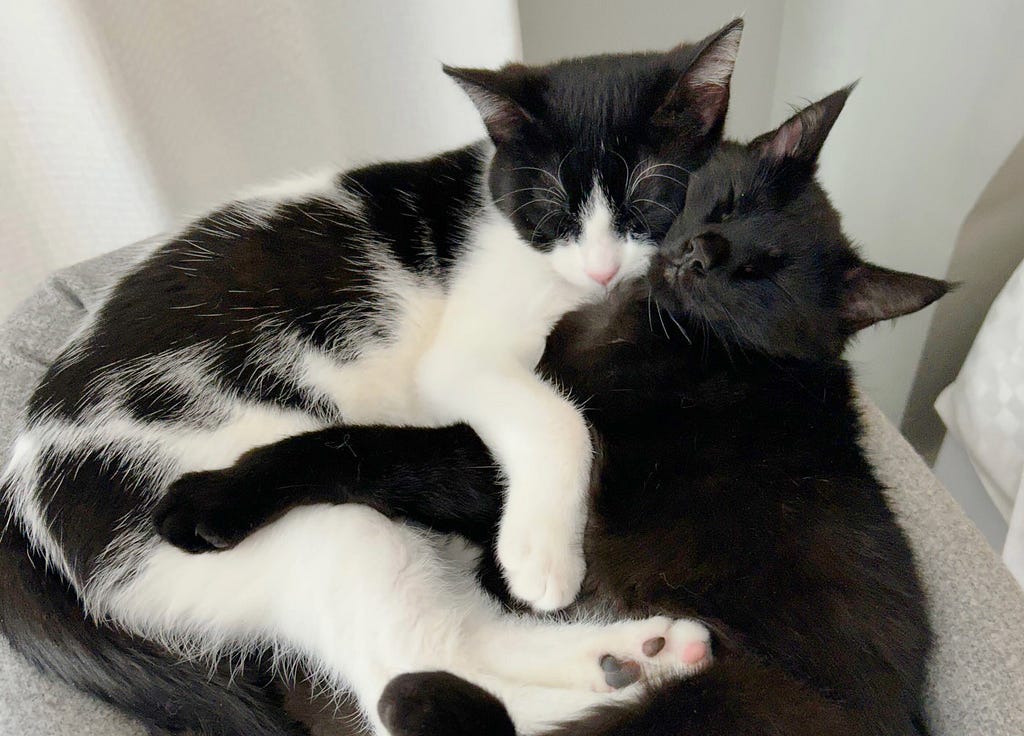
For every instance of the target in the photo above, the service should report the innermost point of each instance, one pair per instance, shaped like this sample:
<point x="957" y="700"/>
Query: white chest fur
<point x="503" y="299"/>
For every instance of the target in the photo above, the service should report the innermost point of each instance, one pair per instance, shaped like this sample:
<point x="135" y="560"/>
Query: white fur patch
<point x="25" y="508"/>
<point x="600" y="251"/>
<point x="364" y="600"/>
<point x="379" y="386"/>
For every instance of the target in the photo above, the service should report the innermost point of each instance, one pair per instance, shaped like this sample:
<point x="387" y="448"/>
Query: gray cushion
<point x="977" y="674"/>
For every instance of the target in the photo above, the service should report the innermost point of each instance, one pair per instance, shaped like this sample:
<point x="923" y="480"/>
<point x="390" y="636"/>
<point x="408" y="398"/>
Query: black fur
<point x="426" y="703"/>
<point x="225" y="273"/>
<point x="401" y="472"/>
<point x="733" y="486"/>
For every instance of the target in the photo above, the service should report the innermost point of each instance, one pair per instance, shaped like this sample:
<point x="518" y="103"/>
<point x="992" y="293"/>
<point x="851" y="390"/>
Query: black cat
<point x="731" y="484"/>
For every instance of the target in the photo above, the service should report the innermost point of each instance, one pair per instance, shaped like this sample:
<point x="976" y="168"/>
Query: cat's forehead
<point x="732" y="167"/>
<point x="602" y="99"/>
<point x="614" y="166"/>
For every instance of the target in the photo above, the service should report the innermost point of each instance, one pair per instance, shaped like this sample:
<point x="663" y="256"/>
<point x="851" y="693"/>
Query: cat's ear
<point x="801" y="137"/>
<point x="493" y="93"/>
<point x="697" y="103"/>
<point x="872" y="294"/>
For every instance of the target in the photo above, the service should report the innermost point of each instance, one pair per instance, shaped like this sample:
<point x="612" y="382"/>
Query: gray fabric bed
<point x="977" y="673"/>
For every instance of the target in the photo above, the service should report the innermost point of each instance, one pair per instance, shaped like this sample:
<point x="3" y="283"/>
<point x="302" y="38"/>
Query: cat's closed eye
<point x="723" y="210"/>
<point x="762" y="266"/>
<point x="546" y="222"/>
<point x="729" y="206"/>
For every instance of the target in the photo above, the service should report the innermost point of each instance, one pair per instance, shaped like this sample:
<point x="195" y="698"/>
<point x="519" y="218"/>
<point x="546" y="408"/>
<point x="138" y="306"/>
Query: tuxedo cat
<point x="731" y="484"/>
<point x="416" y="294"/>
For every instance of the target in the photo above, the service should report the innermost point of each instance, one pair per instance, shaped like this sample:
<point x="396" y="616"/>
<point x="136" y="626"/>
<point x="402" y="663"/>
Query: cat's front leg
<point x="399" y="471"/>
<point x="540" y="536"/>
<point x="543" y="445"/>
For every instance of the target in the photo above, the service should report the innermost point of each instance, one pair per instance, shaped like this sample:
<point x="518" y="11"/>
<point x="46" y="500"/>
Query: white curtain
<point x="117" y="119"/>
<point x="984" y="410"/>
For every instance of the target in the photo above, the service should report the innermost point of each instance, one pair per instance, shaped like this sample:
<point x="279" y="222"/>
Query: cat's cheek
<point x="636" y="259"/>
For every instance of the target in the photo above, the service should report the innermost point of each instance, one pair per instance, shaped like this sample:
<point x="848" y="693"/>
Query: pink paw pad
<point x="694" y="652"/>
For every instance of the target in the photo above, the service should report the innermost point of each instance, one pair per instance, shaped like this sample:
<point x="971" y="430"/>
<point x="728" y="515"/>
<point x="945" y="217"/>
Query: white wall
<point x="939" y="109"/>
<point x="556" y="29"/>
<point x="118" y="118"/>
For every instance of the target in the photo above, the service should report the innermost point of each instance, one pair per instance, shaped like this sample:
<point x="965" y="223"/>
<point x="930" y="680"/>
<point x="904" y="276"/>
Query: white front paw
<point x="542" y="556"/>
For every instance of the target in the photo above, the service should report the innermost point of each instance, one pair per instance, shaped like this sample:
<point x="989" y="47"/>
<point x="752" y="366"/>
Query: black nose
<point x="700" y="254"/>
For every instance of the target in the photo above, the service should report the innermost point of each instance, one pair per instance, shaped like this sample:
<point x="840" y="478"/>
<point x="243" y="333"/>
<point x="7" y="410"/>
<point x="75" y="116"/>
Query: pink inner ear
<point x="786" y="140"/>
<point x="711" y="100"/>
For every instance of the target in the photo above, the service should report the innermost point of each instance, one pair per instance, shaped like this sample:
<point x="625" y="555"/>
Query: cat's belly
<point x="380" y="386"/>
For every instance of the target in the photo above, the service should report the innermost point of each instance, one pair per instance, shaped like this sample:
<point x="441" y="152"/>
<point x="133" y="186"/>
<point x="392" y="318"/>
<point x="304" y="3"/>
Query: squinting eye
<point x="724" y="209"/>
<point x="546" y="223"/>
<point x="763" y="266"/>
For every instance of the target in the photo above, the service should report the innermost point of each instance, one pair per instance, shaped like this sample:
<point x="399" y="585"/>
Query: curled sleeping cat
<point x="410" y="294"/>
<point x="732" y="485"/>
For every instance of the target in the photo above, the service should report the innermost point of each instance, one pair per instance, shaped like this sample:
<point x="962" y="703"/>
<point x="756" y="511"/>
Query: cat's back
<point x="321" y="261"/>
<point x="275" y="314"/>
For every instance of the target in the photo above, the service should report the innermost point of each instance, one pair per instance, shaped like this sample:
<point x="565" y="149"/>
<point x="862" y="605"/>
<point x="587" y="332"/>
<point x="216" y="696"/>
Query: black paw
<point x="201" y="512"/>
<point x="441" y="704"/>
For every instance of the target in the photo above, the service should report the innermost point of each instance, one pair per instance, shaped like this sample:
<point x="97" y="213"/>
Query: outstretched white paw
<point x="542" y="557"/>
<point x="630" y="651"/>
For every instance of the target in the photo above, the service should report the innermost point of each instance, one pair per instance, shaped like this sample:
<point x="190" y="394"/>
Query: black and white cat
<point x="732" y="485"/>
<point x="400" y="294"/>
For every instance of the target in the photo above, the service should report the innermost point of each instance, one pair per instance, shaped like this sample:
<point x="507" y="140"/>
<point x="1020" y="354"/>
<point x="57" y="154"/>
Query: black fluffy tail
<point x="44" y="620"/>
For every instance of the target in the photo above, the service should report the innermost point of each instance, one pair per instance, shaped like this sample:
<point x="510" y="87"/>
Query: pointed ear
<point x="699" y="100"/>
<point x="872" y="294"/>
<point x="491" y="92"/>
<point x="801" y="137"/>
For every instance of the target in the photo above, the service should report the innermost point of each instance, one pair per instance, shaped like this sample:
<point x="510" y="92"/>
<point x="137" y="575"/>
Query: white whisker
<point x="665" y="176"/>
<point x="533" y="236"/>
<point x="549" y="190"/>
<point x="558" y="182"/>
<point x="658" y="204"/>
<point x="534" y="201"/>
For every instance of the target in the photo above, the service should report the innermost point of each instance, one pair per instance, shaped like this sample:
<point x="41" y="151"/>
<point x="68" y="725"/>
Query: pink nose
<point x="603" y="276"/>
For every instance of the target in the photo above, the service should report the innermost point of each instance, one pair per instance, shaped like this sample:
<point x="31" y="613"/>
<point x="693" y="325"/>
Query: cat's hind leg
<point x="363" y="599"/>
<point x="435" y="703"/>
<point x="564" y="655"/>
